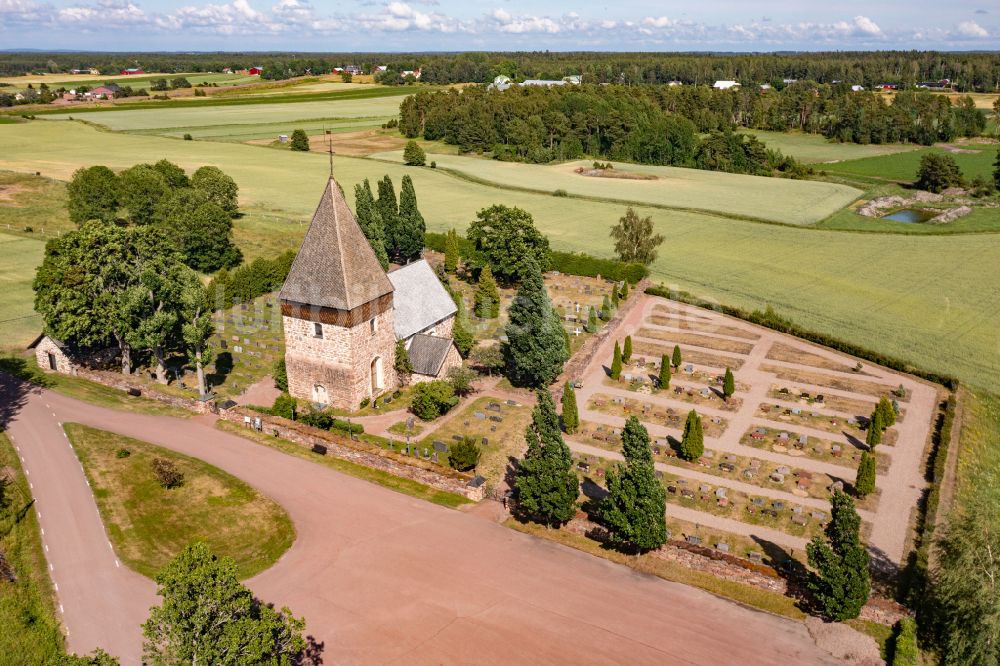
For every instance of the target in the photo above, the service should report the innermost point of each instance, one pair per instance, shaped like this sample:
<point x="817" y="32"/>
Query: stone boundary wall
<point x="338" y="446"/>
<point x="359" y="452"/>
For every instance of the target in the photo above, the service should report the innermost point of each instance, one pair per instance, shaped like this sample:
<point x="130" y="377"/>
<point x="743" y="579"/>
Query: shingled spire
<point x="335" y="267"/>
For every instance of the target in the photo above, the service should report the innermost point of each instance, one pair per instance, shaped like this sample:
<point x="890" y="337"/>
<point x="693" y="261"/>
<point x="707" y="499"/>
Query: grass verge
<point x="150" y="524"/>
<point x="86" y="390"/>
<point x="770" y="602"/>
<point x="399" y="484"/>
<point x="29" y="630"/>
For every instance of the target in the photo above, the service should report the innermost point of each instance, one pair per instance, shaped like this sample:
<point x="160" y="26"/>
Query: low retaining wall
<point x="120" y="381"/>
<point x="359" y="452"/>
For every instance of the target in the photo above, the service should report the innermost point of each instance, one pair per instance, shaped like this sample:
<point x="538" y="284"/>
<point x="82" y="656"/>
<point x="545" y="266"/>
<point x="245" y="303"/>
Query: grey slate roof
<point x="427" y="354"/>
<point x="335" y="266"/>
<point x="420" y="300"/>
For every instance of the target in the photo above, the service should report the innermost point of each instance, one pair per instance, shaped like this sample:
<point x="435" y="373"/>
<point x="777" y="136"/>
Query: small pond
<point x="911" y="215"/>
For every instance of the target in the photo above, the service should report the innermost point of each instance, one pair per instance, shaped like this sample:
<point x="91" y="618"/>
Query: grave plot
<point x="727" y="542"/>
<point x="708" y="396"/>
<point x="248" y="340"/>
<point x="766" y="474"/>
<point x="781" y="351"/>
<point x="690" y="356"/>
<point x="791" y="443"/>
<point x="647" y="412"/>
<point x="689" y="314"/>
<point x="851" y="428"/>
<point x="409" y="427"/>
<point x="850" y="384"/>
<point x="856" y="407"/>
<point x="695" y="340"/>
<point x="497" y="426"/>
<point x="700" y="326"/>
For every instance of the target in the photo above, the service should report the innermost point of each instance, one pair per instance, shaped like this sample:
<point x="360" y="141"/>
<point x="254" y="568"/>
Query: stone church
<point x="342" y="314"/>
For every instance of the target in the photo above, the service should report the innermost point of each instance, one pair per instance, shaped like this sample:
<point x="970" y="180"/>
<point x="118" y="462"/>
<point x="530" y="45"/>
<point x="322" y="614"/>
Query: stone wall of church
<point x="340" y="361"/>
<point x="442" y="329"/>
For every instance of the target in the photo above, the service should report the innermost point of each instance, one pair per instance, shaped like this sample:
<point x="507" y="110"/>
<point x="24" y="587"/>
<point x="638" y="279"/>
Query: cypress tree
<point x="545" y="485"/>
<point x="487" y="296"/>
<point x="874" y="435"/>
<point x="411" y="229"/>
<point x="614" y="296"/>
<point x="535" y="349"/>
<point x="591" y="326"/>
<point x="676" y="358"/>
<point x="570" y="413"/>
<point x="389" y="211"/>
<point x="616" y="363"/>
<point x="370" y="221"/>
<point x="451" y="251"/>
<point x="728" y="385"/>
<point x="664" y="373"/>
<point x="605" y="309"/>
<point x="864" y="484"/>
<point x="841" y="582"/>
<point x="634" y="509"/>
<point x="624" y="289"/>
<point x="627" y="349"/>
<point x="693" y="440"/>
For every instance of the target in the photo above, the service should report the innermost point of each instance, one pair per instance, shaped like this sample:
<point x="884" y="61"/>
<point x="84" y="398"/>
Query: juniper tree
<point x="616" y="362"/>
<point x="676" y="358"/>
<point x="403" y="365"/>
<point x="728" y="384"/>
<point x="451" y="251"/>
<point x="570" y="413"/>
<point x="627" y="349"/>
<point x="874" y="435"/>
<point x="486" y="296"/>
<point x="864" y="483"/>
<point x="592" y="324"/>
<point x="388" y="210"/>
<point x="535" y="349"/>
<point x="614" y="296"/>
<point x="606" y="308"/>
<point x="370" y="221"/>
<point x="411" y="229"/>
<point x="545" y="486"/>
<point x="300" y="141"/>
<point x="634" y="511"/>
<point x="887" y="412"/>
<point x="693" y="439"/>
<point x="664" y="378"/>
<point x="840" y="582"/>
<point x="624" y="289"/>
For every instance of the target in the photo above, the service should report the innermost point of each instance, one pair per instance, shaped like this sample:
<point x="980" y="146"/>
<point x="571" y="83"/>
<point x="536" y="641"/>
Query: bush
<point x="906" y="652"/>
<point x="413" y="154"/>
<point x="464" y="454"/>
<point x="432" y="399"/>
<point x="327" y="421"/>
<point x="123" y="453"/>
<point x="280" y="374"/>
<point x="560" y="193"/>
<point x="284" y="406"/>
<point x="167" y="473"/>
<point x="188" y="137"/>
<point x="299" y="141"/>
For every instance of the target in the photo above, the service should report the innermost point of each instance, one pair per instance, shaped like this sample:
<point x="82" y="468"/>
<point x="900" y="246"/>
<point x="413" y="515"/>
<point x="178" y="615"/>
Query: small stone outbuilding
<point x="53" y="355"/>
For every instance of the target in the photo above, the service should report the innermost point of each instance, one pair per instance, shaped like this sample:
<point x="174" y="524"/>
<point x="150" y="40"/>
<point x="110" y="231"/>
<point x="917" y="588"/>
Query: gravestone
<point x="440" y="446"/>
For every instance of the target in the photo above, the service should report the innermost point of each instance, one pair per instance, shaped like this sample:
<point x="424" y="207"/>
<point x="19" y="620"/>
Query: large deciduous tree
<point x="634" y="238"/>
<point x="220" y="188"/>
<point x="508" y="240"/>
<point x="634" y="511"/>
<point x="546" y="487"/>
<point x="141" y="188"/>
<point x="208" y="617"/>
<point x="536" y="350"/>
<point x="197" y="328"/>
<point x="93" y="194"/>
<point x="840" y="582"/>
<point x="200" y="229"/>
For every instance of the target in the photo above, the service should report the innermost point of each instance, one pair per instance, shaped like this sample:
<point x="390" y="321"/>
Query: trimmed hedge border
<point x="571" y="263"/>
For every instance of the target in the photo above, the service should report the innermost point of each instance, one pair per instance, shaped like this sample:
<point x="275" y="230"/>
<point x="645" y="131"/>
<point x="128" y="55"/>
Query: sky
<point x="498" y="25"/>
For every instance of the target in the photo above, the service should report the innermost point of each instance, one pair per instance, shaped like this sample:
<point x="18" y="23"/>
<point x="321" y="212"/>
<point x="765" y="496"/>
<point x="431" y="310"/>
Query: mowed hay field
<point x="18" y="259"/>
<point x="934" y="300"/>
<point x="973" y="159"/>
<point x="817" y="149"/>
<point x="773" y="199"/>
<point x="135" y="81"/>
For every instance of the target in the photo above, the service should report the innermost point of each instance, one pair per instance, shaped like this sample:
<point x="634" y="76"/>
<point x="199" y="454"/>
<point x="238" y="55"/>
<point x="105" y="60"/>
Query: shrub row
<point x="571" y="263"/>
<point x="770" y="319"/>
<point x="243" y="284"/>
<point x="285" y="407"/>
<point x="906" y="652"/>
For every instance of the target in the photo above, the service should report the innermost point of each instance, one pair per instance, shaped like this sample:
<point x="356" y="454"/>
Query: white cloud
<point x="867" y="26"/>
<point x="972" y="29"/>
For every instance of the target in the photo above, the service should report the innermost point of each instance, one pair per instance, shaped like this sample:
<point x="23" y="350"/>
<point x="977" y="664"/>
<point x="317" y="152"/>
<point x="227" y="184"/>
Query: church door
<point x="319" y="395"/>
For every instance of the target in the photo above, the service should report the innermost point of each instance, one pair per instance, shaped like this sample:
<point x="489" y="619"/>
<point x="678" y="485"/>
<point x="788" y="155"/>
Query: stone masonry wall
<point x="63" y="364"/>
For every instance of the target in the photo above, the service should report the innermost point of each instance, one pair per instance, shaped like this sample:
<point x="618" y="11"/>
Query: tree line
<point x="968" y="71"/>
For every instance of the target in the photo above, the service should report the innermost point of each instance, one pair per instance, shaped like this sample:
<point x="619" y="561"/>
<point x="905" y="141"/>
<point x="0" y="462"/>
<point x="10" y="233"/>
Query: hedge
<point x="321" y="420"/>
<point x="906" y="652"/>
<point x="570" y="263"/>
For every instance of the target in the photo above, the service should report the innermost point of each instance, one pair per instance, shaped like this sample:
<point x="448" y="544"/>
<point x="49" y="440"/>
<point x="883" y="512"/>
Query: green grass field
<point x="903" y="166"/>
<point x="29" y="629"/>
<point x="816" y="149"/>
<point x="18" y="322"/>
<point x="138" y="81"/>
<point x="774" y="199"/>
<point x="149" y="524"/>
<point x="934" y="300"/>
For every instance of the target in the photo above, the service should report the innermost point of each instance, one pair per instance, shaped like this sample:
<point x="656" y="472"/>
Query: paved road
<point x="385" y="578"/>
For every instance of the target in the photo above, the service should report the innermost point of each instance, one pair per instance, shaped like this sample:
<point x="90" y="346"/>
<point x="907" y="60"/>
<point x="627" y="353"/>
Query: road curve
<point x="379" y="576"/>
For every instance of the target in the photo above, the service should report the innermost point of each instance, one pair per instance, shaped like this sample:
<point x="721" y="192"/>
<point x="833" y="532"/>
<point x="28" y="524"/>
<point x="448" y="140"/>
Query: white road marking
<point x="31" y="485"/>
<point x="117" y="563"/>
<point x="61" y="609"/>
<point x="56" y="585"/>
<point x="46" y="548"/>
<point x="51" y="568"/>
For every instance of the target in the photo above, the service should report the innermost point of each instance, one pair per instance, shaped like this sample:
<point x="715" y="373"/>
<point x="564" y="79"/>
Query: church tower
<point x="337" y="312"/>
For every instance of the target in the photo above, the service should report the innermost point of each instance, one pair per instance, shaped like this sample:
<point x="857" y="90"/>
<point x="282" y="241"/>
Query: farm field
<point x="817" y="149"/>
<point x="18" y="322"/>
<point x="164" y="120"/>
<point x="934" y="300"/>
<point x="138" y="81"/>
<point x="903" y="166"/>
<point x="979" y="220"/>
<point x="774" y="199"/>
